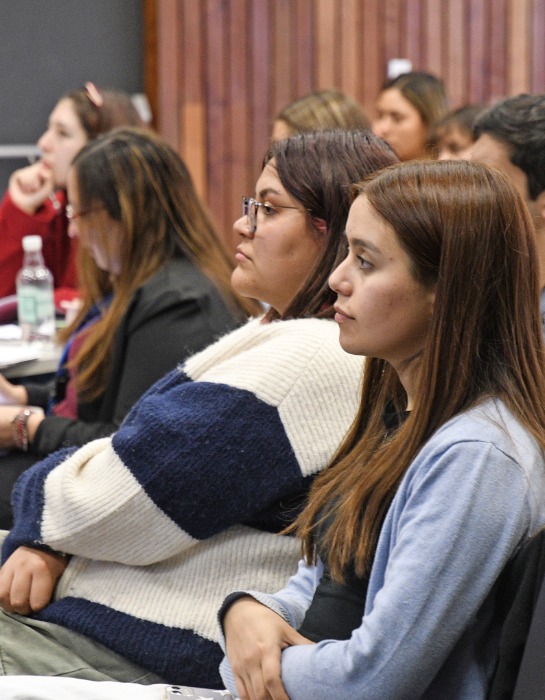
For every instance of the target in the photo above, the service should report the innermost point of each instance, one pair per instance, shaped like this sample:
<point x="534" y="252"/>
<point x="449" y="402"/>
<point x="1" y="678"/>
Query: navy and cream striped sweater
<point x="180" y="506"/>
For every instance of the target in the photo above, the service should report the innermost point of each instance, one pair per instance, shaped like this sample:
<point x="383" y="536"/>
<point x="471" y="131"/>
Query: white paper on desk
<point x="60" y="688"/>
<point x="14" y="353"/>
<point x="10" y="331"/>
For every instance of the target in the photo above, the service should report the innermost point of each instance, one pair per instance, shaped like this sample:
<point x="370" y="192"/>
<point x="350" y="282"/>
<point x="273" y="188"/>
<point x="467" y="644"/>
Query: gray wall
<point x="49" y="47"/>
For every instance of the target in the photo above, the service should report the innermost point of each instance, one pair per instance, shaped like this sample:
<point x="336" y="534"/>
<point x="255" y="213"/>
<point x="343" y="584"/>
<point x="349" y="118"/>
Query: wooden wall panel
<point x="218" y="70"/>
<point x="192" y="95"/>
<point x="239" y="96"/>
<point x="538" y="46"/>
<point x="478" y="58"/>
<point x="498" y="47"/>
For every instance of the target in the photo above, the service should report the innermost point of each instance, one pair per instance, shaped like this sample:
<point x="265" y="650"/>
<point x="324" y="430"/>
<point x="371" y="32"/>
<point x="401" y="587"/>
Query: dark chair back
<point x="520" y="672"/>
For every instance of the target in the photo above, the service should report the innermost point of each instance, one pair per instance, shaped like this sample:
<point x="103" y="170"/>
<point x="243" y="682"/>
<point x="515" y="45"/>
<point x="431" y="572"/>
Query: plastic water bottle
<point x="35" y="305"/>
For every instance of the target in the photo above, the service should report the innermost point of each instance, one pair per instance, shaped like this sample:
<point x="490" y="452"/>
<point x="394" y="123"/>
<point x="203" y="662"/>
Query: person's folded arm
<point x="252" y="649"/>
<point x="433" y="584"/>
<point x="183" y="467"/>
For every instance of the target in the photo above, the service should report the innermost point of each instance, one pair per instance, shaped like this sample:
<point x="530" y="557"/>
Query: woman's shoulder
<point x="488" y="421"/>
<point x="292" y="340"/>
<point x="178" y="278"/>
<point x="280" y="348"/>
<point x="178" y="283"/>
<point x="304" y="330"/>
<point x="491" y="430"/>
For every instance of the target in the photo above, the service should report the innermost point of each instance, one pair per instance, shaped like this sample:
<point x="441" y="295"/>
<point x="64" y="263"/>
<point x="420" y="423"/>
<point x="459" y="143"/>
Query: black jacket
<point x="173" y="315"/>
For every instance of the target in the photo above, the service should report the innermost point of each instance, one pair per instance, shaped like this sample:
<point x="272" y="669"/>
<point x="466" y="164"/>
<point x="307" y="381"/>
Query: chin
<point x="241" y="285"/>
<point x="351" y="347"/>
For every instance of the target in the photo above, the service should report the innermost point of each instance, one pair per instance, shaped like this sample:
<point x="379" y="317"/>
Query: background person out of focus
<point x="510" y="136"/>
<point x="36" y="197"/>
<point x="454" y="133"/>
<point x="318" y="111"/>
<point x="407" y="110"/>
<point x="136" y="213"/>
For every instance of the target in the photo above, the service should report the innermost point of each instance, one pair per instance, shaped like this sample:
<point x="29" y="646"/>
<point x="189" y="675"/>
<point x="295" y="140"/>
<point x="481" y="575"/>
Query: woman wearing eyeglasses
<point x="164" y="293"/>
<point x="183" y="504"/>
<point x="36" y="197"/>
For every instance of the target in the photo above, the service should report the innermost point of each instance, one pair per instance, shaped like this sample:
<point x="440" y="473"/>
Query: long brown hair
<point x="468" y="233"/>
<point x="318" y="169"/>
<point x="142" y="182"/>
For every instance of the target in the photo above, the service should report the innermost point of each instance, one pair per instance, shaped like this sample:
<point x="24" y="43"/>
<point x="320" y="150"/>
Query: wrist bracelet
<point x="20" y="429"/>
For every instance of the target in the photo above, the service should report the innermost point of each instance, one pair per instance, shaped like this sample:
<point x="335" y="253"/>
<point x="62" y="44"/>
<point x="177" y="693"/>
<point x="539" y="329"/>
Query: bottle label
<point x="34" y="305"/>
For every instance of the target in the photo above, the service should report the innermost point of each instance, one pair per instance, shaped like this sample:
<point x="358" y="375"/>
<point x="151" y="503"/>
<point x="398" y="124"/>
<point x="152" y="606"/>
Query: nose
<point x="242" y="227"/>
<point x="380" y="127"/>
<point x="339" y="280"/>
<point x="44" y="141"/>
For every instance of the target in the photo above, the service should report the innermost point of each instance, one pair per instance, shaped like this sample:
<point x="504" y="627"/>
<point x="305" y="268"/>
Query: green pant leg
<point x="34" y="648"/>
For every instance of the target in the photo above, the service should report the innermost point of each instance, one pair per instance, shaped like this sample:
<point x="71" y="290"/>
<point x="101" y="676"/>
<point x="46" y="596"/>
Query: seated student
<point x="442" y="476"/>
<point x="510" y="135"/>
<point x="454" y="133"/>
<point x="121" y="552"/>
<point x="408" y="107"/>
<point x="35" y="201"/>
<point x="316" y="111"/>
<point x="168" y="295"/>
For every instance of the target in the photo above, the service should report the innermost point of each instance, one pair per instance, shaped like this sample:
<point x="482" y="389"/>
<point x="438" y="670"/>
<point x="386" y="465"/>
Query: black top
<point x="173" y="315"/>
<point x="336" y="609"/>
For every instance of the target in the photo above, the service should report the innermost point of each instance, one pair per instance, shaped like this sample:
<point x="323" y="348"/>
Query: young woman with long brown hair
<point x="442" y="475"/>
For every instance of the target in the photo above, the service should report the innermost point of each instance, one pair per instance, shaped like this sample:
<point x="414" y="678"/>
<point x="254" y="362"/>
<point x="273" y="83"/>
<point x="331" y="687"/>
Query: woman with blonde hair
<point x="318" y="111"/>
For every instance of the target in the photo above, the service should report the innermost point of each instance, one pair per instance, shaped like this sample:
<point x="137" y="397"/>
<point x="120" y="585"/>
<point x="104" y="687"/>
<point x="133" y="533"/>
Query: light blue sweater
<point x="473" y="494"/>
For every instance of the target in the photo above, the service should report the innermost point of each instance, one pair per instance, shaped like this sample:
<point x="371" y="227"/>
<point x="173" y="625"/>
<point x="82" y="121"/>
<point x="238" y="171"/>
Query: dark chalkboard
<point x="49" y="47"/>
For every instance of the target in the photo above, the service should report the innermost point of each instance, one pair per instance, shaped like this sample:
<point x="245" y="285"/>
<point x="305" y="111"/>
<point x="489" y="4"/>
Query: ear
<point x="320" y="225"/>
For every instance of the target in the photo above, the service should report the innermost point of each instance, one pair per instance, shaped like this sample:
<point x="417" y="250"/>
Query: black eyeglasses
<point x="71" y="214"/>
<point x="250" y="207"/>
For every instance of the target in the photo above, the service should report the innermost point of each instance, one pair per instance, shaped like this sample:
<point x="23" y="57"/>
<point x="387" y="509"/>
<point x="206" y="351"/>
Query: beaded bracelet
<point x="20" y="429"/>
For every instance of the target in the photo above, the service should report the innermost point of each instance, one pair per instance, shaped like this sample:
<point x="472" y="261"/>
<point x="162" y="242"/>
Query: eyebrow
<point x="268" y="190"/>
<point x="362" y="243"/>
<point x="58" y="123"/>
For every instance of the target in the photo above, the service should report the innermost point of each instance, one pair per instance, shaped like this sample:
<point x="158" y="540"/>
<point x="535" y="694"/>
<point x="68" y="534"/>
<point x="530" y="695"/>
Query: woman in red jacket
<point x="36" y="199"/>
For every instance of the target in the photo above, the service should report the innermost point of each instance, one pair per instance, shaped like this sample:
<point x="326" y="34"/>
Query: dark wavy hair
<point x="318" y="169"/>
<point x="520" y="123"/>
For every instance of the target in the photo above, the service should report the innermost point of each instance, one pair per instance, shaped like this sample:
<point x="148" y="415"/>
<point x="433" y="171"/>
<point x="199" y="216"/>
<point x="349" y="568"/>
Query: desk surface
<point x="45" y="360"/>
